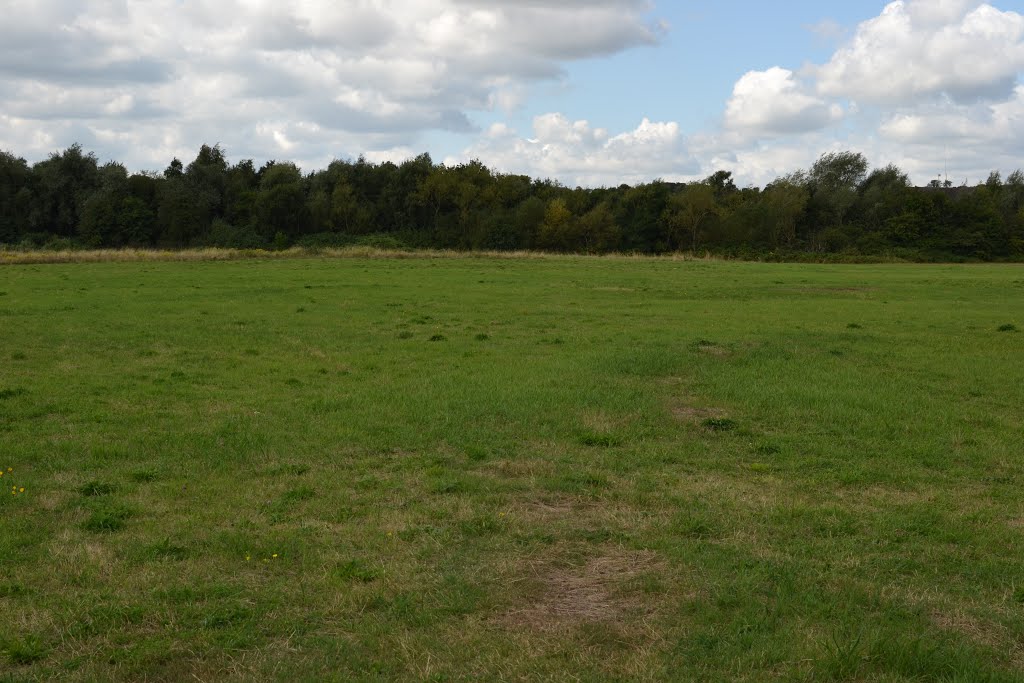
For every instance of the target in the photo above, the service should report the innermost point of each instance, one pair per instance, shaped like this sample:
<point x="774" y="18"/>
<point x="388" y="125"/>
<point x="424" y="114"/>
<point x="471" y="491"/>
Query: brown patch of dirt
<point x="557" y="511"/>
<point x="570" y="595"/>
<point x="695" y="415"/>
<point x="546" y="510"/>
<point x="714" y="350"/>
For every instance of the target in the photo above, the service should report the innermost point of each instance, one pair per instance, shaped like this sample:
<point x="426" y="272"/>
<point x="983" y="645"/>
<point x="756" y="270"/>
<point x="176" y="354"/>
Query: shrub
<point x="223" y="234"/>
<point x="325" y="240"/>
<point x="382" y="241"/>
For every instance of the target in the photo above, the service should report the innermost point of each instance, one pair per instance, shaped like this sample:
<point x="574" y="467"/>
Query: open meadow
<point x="511" y="468"/>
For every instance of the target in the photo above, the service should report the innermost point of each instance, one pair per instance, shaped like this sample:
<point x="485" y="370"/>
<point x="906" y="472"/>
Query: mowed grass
<point x="483" y="469"/>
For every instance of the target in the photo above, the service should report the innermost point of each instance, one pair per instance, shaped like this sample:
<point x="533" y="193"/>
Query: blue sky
<point x="690" y="74"/>
<point x="592" y="92"/>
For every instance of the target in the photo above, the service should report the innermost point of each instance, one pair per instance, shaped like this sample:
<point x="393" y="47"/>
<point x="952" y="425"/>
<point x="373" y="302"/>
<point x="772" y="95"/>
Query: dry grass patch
<point x="562" y="512"/>
<point x="604" y="423"/>
<point x="830" y="290"/>
<point x="715" y="350"/>
<point x="696" y="415"/>
<point x="565" y="596"/>
<point x="981" y="631"/>
<point x="29" y="257"/>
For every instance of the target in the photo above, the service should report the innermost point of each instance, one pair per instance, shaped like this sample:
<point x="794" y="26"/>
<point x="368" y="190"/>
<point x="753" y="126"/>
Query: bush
<point x="382" y="241"/>
<point x="60" y="244"/>
<point x="325" y="240"/>
<point x="223" y="234"/>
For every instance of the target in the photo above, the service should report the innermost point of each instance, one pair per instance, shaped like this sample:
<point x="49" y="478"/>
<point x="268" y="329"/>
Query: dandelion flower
<point x="21" y="490"/>
<point x="274" y="555"/>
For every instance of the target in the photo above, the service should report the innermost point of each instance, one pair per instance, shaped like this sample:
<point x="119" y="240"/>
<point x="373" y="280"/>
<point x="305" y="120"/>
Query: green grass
<point x="478" y="468"/>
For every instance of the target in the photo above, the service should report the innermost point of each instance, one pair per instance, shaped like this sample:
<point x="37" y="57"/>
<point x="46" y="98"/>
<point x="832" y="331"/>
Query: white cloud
<point x="921" y="48"/>
<point x="579" y="154"/>
<point x="362" y="72"/>
<point x="927" y="85"/>
<point x="773" y="101"/>
<point x="978" y="137"/>
<point x="310" y="80"/>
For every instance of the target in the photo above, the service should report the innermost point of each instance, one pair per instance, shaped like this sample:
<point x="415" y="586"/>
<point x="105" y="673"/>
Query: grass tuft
<point x="144" y="476"/>
<point x="108" y="519"/>
<point x="719" y="424"/>
<point x="96" y="488"/>
<point x="24" y="651"/>
<point x="599" y="440"/>
<point x="356" y="571"/>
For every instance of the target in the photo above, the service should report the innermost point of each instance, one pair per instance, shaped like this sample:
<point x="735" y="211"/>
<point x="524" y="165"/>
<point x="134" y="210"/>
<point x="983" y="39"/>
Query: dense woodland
<point x="835" y="208"/>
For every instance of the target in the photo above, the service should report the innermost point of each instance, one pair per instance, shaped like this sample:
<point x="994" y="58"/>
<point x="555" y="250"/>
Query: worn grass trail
<point x="472" y="468"/>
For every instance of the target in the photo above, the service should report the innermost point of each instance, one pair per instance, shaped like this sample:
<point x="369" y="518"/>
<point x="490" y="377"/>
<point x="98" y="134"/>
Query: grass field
<point x="511" y="469"/>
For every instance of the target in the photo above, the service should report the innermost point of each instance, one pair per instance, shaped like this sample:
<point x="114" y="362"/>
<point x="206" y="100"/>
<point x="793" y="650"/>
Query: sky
<point x="586" y="92"/>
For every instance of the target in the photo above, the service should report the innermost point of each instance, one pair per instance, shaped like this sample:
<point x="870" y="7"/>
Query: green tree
<point x="598" y="229"/>
<point x="64" y="181"/>
<point x="348" y="214"/>
<point x="101" y="211"/>
<point x="833" y="181"/>
<point x="784" y="202"/>
<point x="281" y="202"/>
<point x="688" y="211"/>
<point x="558" y="230"/>
<point x="16" y="198"/>
<point x="526" y="221"/>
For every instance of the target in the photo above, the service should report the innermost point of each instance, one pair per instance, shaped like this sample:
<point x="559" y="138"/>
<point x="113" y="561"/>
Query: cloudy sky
<point x="591" y="92"/>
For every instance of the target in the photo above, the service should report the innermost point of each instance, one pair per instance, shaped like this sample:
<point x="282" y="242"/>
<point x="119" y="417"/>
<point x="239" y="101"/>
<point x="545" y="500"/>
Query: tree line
<point x="838" y="206"/>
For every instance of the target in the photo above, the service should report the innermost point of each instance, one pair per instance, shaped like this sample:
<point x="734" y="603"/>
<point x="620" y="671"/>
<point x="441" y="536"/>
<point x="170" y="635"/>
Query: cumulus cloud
<point x="773" y="101"/>
<point x="579" y="154"/>
<point x="926" y="84"/>
<point x="310" y="80"/>
<point x="358" y="73"/>
<point x="919" y="48"/>
<point x="977" y="137"/>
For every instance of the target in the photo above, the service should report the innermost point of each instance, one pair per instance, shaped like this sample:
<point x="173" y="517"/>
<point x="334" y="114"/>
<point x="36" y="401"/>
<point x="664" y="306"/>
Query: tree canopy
<point x="837" y="206"/>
